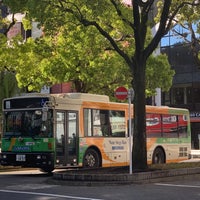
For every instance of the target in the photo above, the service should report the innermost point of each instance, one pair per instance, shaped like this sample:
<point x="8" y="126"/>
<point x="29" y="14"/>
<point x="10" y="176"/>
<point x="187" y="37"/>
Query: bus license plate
<point x="20" y="157"/>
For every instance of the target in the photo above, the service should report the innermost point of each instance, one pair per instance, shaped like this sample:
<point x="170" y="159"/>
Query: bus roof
<point x="84" y="97"/>
<point x="57" y="100"/>
<point x="78" y="96"/>
<point x="166" y="109"/>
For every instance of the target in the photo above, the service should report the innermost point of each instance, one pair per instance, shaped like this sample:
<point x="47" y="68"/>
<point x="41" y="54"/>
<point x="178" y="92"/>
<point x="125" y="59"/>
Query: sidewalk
<point x="92" y="178"/>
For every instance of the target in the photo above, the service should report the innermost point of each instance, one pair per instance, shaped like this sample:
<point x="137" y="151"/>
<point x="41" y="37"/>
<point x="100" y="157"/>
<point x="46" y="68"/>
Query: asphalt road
<point x="34" y="185"/>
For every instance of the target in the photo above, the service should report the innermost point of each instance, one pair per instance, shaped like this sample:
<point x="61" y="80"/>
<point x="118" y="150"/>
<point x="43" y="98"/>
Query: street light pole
<point x="130" y="98"/>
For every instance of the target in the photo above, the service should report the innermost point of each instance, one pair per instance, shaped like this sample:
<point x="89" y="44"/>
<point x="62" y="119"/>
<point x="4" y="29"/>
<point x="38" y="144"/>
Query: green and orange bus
<point x="48" y="131"/>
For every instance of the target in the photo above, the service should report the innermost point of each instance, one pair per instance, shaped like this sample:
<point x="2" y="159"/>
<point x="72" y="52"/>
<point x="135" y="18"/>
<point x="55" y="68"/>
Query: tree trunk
<point x="139" y="154"/>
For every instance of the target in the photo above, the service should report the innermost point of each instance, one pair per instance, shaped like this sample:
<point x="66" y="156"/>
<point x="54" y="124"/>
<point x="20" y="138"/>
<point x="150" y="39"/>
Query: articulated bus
<point x="49" y="131"/>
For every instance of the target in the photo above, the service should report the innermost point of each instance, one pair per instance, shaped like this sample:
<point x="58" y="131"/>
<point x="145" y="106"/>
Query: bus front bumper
<point x="35" y="160"/>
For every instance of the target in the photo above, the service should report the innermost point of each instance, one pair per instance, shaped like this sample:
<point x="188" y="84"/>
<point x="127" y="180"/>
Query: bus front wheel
<point x="158" y="156"/>
<point x="91" y="159"/>
<point x="47" y="169"/>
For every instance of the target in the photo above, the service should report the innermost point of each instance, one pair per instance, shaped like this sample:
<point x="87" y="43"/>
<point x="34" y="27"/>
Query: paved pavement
<point x="95" y="178"/>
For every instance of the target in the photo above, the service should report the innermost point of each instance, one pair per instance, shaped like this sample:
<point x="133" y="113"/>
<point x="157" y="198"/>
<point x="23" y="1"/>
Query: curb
<point x="85" y="179"/>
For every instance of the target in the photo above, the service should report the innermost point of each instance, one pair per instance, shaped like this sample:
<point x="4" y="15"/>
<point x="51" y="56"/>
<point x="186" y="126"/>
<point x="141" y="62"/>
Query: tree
<point x="117" y="23"/>
<point x="67" y="59"/>
<point x="79" y="55"/>
<point x="8" y="83"/>
<point x="69" y="56"/>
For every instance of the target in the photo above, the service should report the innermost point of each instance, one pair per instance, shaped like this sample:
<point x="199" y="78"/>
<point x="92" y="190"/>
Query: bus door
<point x="66" y="138"/>
<point x="72" y="138"/>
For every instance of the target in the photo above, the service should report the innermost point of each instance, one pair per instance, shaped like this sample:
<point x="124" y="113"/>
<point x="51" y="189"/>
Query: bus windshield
<point x="28" y="124"/>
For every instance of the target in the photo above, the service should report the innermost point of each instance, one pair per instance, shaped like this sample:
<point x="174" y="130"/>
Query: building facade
<point x="185" y="90"/>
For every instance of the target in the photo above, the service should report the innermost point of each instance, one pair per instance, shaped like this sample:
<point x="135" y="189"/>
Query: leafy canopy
<point x="72" y="52"/>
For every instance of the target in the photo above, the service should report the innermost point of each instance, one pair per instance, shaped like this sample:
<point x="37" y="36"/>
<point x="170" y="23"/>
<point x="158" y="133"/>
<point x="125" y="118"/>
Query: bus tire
<point x="47" y="169"/>
<point x="91" y="159"/>
<point x="158" y="156"/>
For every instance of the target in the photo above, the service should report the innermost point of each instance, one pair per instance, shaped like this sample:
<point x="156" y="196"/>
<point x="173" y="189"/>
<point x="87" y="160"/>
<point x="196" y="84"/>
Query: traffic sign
<point x="121" y="93"/>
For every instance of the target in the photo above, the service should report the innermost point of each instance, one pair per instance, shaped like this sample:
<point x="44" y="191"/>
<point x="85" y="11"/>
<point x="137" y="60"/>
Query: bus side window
<point x="118" y="123"/>
<point x="96" y="126"/>
<point x="182" y="125"/>
<point x="105" y="122"/>
<point x="153" y="125"/>
<point x="87" y="122"/>
<point x="170" y="126"/>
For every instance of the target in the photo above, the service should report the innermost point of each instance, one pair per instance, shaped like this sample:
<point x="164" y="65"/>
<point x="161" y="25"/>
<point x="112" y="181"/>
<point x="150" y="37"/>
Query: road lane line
<point x="46" y="194"/>
<point x="174" y="185"/>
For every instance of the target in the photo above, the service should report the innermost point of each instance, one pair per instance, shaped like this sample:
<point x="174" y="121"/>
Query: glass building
<point x="182" y="49"/>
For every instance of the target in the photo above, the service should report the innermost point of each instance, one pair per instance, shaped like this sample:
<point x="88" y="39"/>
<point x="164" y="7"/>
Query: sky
<point x="172" y="38"/>
<point x="128" y="2"/>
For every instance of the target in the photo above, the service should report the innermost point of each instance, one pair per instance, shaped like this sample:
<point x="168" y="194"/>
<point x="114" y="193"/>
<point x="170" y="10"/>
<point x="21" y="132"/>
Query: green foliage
<point x="8" y="59"/>
<point x="8" y="85"/>
<point x="73" y="52"/>
<point x="158" y="74"/>
<point x="64" y="58"/>
<point x="26" y="24"/>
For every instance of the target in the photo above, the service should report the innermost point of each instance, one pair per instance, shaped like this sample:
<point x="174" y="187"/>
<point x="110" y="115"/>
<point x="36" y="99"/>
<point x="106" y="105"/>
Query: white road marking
<point x="174" y="185"/>
<point x="29" y="186"/>
<point x="34" y="172"/>
<point x="49" y="195"/>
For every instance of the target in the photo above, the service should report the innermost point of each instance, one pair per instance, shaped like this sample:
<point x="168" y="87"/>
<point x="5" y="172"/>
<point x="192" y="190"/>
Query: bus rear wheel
<point x="91" y="159"/>
<point x="158" y="156"/>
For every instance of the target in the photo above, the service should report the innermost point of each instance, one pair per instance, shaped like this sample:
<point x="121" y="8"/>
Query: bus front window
<point x="27" y="124"/>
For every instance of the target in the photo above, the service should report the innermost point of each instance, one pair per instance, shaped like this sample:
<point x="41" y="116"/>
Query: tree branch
<point x="11" y="24"/>
<point x="136" y="16"/>
<point x="161" y="30"/>
<point x="86" y="22"/>
<point x="165" y="23"/>
<point x="120" y="14"/>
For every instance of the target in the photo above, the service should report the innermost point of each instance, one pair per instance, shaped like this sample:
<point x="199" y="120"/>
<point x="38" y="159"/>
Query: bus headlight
<point x="38" y="157"/>
<point x="4" y="156"/>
